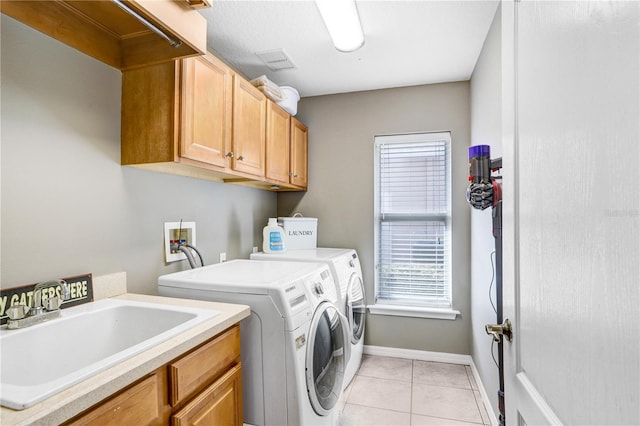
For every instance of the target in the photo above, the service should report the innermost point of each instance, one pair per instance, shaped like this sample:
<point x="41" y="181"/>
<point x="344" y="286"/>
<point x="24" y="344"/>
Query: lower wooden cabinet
<point x="192" y="372"/>
<point x="144" y="403"/>
<point x="201" y="387"/>
<point x="219" y="404"/>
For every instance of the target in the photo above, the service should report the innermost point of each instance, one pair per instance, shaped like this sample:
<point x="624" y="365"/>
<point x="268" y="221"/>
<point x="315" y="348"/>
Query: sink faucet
<point x="21" y="316"/>
<point x="51" y="303"/>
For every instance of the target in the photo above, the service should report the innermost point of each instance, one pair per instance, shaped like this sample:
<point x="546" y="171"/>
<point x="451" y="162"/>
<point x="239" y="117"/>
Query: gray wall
<point x="340" y="195"/>
<point x="485" y="130"/>
<point x="68" y="207"/>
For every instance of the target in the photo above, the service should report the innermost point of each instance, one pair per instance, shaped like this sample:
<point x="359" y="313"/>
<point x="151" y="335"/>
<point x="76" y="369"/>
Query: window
<point x="413" y="220"/>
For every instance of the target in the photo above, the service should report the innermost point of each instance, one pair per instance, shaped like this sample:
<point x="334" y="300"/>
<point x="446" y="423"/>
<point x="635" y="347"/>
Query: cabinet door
<point x="299" y="146"/>
<point x="219" y="404"/>
<point x="278" y="138"/>
<point x="142" y="404"/>
<point x="206" y="110"/>
<point x="192" y="372"/>
<point x="249" y="123"/>
<point x="150" y="116"/>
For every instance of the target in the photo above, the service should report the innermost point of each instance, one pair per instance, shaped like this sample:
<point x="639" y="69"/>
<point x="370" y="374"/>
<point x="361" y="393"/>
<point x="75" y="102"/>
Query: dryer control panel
<point x="322" y="286"/>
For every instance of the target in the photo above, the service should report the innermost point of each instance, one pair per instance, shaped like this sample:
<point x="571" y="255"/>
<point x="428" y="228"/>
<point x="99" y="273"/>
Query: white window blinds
<point x="413" y="219"/>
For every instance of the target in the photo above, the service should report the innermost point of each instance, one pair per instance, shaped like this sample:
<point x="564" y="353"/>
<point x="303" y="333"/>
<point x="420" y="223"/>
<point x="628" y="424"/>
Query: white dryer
<point x="347" y="273"/>
<point x="294" y="344"/>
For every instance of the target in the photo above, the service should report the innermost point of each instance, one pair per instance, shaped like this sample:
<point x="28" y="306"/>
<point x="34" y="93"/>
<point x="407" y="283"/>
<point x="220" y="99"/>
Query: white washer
<point x="294" y="345"/>
<point x="347" y="273"/>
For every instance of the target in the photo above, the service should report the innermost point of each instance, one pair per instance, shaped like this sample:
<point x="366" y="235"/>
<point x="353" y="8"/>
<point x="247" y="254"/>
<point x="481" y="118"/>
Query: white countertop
<point x="78" y="398"/>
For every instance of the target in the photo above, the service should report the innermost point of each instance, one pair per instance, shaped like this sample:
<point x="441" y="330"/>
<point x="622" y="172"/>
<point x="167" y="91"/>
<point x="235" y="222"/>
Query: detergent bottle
<point x="273" y="237"/>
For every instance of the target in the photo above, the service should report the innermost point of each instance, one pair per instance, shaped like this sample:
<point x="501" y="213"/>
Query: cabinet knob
<point x="241" y="158"/>
<point x="229" y="154"/>
<point x="295" y="176"/>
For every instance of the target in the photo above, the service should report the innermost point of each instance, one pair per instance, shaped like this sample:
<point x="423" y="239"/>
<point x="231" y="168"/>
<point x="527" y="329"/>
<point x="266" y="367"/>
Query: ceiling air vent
<point x="276" y="60"/>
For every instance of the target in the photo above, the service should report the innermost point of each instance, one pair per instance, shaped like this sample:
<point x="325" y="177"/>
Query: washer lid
<point x="320" y="254"/>
<point x="241" y="276"/>
<point x="342" y="262"/>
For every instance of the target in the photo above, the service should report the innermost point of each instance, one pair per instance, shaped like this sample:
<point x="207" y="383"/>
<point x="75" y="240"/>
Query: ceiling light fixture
<point x="343" y="23"/>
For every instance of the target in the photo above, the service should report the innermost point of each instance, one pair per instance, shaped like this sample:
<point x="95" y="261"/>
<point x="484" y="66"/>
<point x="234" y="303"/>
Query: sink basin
<point x="42" y="360"/>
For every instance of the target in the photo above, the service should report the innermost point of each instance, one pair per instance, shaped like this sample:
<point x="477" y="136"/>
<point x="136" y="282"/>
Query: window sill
<point x="414" y="311"/>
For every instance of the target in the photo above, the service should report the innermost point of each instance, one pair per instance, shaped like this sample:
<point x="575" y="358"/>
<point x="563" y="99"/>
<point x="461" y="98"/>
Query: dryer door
<point x="356" y="307"/>
<point x="328" y="352"/>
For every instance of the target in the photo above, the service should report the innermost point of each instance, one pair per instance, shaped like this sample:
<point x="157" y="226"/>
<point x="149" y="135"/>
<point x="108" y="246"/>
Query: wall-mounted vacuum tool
<point x="485" y="191"/>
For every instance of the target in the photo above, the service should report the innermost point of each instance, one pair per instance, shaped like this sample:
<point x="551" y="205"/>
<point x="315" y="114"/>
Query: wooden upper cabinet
<point x="112" y="34"/>
<point x="249" y="127"/>
<point x="150" y="109"/>
<point x="196" y="117"/>
<point x="177" y="115"/>
<point x="206" y="98"/>
<point x="299" y="153"/>
<point x="278" y="138"/>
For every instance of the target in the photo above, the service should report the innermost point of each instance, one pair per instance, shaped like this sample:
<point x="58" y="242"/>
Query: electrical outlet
<point x="223" y="257"/>
<point x="255" y="249"/>
<point x="178" y="232"/>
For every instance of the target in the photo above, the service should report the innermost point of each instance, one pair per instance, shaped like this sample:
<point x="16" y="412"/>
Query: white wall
<point x="67" y="206"/>
<point x="340" y="195"/>
<point x="485" y="130"/>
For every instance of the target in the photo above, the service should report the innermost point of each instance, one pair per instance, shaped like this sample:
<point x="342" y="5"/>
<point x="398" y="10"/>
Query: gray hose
<point x="188" y="251"/>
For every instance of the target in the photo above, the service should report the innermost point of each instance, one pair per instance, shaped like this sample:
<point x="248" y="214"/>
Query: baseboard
<point x="437" y="357"/>
<point x="483" y="393"/>
<point x="418" y="355"/>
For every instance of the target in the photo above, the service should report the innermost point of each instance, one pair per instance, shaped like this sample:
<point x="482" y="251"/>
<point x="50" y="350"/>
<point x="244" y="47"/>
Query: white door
<point x="571" y="123"/>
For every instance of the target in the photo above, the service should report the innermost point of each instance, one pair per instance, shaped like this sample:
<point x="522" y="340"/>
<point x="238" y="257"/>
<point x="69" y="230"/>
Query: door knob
<point x="497" y="330"/>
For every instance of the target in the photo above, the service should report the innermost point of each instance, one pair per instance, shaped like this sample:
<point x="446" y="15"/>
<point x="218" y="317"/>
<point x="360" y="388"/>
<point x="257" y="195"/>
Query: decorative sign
<point x="80" y="291"/>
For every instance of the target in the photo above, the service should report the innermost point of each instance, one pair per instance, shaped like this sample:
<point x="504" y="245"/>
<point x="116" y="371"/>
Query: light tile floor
<point x="395" y="391"/>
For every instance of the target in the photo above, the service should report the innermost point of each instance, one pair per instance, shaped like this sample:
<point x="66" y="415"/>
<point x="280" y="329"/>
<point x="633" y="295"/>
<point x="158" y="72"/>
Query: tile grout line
<point x="411" y="396"/>
<point x="453" y="420"/>
<point x="468" y="372"/>
<point x="378" y="408"/>
<point x="479" y="404"/>
<point x="386" y="378"/>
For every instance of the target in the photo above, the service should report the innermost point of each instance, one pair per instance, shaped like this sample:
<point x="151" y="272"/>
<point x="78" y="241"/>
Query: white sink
<point x="42" y="360"/>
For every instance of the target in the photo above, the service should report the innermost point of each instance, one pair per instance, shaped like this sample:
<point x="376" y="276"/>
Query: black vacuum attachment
<point x="483" y="190"/>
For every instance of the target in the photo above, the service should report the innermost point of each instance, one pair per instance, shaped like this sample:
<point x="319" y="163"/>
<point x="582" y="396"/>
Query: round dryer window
<point x="356" y="307"/>
<point x="327" y="355"/>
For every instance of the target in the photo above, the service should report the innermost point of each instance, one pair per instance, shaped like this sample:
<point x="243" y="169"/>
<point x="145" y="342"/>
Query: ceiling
<point x="407" y="43"/>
